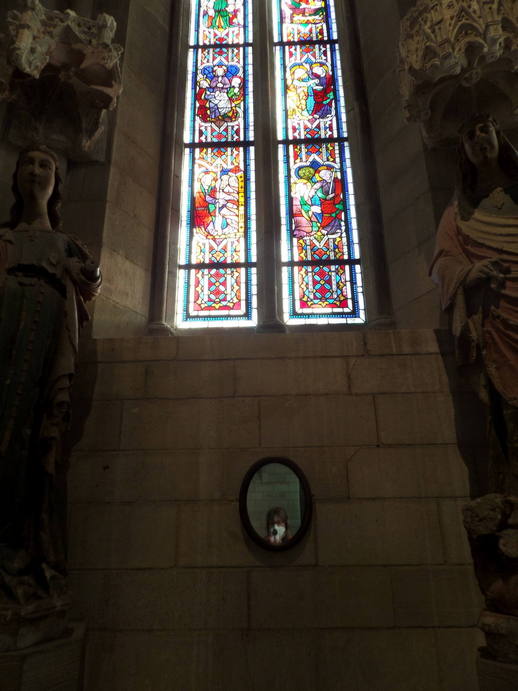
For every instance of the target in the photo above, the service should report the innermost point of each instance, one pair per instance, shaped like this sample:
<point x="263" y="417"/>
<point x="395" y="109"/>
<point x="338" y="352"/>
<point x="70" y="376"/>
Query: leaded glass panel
<point x="320" y="250"/>
<point x="217" y="273"/>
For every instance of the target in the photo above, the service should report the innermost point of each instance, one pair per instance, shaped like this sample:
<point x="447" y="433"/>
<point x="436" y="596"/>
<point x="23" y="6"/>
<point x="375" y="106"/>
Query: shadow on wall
<point x="82" y="394"/>
<point x="471" y="418"/>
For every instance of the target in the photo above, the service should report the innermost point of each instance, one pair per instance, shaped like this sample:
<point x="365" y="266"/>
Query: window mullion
<point x="268" y="209"/>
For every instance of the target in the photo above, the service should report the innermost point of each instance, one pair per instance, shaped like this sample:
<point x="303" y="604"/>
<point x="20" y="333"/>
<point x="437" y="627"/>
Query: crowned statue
<point x="46" y="277"/>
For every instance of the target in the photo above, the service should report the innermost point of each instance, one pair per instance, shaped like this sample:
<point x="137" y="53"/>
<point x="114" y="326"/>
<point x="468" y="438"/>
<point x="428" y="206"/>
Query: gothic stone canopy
<point x="60" y="72"/>
<point x="457" y="56"/>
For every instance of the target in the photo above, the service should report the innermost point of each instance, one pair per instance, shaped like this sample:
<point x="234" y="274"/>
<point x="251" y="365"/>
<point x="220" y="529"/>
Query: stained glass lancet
<point x="322" y="280"/>
<point x="217" y="271"/>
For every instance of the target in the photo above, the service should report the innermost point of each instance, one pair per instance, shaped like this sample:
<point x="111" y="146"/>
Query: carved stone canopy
<point x="457" y="57"/>
<point x="59" y="73"/>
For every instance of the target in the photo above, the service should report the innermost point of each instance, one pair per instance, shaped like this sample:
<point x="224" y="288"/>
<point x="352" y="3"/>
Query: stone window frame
<point x="269" y="278"/>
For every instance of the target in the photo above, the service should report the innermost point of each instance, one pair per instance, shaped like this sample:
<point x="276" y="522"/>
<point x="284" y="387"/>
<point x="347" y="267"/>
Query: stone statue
<point x="45" y="279"/>
<point x="476" y="267"/>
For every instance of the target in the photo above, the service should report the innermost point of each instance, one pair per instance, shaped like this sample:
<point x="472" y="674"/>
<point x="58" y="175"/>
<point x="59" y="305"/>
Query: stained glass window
<point x="322" y="280"/>
<point x="217" y="272"/>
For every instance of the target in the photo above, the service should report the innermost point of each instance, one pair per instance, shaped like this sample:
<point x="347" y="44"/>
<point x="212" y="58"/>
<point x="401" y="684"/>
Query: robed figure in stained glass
<point x="220" y="14"/>
<point x="219" y="93"/>
<point x="205" y="200"/>
<point x="317" y="202"/>
<point x="322" y="91"/>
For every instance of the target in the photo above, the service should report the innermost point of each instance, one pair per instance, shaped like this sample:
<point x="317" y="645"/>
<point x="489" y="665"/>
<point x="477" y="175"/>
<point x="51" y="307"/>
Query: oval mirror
<point x="275" y="503"/>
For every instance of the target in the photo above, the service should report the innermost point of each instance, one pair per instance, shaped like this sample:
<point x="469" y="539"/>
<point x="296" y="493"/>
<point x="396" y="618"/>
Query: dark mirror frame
<point x="308" y="504"/>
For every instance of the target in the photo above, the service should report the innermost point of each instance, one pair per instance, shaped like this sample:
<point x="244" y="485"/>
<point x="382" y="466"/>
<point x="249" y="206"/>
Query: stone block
<point x="280" y="660"/>
<point x="291" y="376"/>
<point x="425" y="418"/>
<point x="496" y="676"/>
<point x="114" y="381"/>
<point x="112" y="319"/>
<point x="435" y="596"/>
<point x="128" y="349"/>
<point x="374" y="29"/>
<point x="129" y="157"/>
<point x="210" y="535"/>
<point x="409" y="184"/>
<point x="411" y="270"/>
<point x="456" y="545"/>
<point x="146" y="51"/>
<point x="404" y="341"/>
<point x="139" y="116"/>
<point x="125" y="282"/>
<point x="102" y="427"/>
<point x="206" y="379"/>
<point x="190" y="423"/>
<point x="201" y="661"/>
<point x="138" y="661"/>
<point x="398" y="374"/>
<point x="154" y="476"/>
<point x="162" y="599"/>
<point x="122" y="536"/>
<point x="126" y="234"/>
<point x="415" y="471"/>
<point x="383" y="660"/>
<point x="87" y="220"/>
<point x="423" y="311"/>
<point x="379" y="532"/>
<point x="225" y="346"/>
<point x="411" y="226"/>
<point x="318" y="421"/>
<point x="86" y="183"/>
<point x="53" y="666"/>
<point x="320" y="598"/>
<point x="456" y="654"/>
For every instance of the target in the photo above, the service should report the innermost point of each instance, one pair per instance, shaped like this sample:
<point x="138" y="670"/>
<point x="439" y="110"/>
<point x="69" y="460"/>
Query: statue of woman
<point x="476" y="267"/>
<point x="45" y="279"/>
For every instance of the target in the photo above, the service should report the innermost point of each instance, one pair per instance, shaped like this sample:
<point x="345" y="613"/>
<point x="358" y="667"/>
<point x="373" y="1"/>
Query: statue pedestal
<point x="53" y="666"/>
<point x="496" y="676"/>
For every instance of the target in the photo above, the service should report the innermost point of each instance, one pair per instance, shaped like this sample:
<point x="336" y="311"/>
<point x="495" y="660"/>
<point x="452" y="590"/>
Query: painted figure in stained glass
<point x="299" y="92"/>
<point x="205" y="199"/>
<point x="310" y="91"/>
<point x="322" y="93"/>
<point x="304" y="11"/>
<point x="219" y="93"/>
<point x="317" y="201"/>
<point x="220" y="14"/>
<point x="230" y="194"/>
<point x="218" y="201"/>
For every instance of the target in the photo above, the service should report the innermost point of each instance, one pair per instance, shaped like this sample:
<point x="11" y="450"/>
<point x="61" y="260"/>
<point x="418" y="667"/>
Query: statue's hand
<point x="492" y="269"/>
<point x="88" y="269"/>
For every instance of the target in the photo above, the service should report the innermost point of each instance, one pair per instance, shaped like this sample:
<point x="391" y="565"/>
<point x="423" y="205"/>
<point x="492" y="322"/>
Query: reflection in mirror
<point x="275" y="503"/>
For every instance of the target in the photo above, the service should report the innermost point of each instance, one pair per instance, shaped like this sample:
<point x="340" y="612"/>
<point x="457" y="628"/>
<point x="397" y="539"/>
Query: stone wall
<point x="379" y="597"/>
<point x="415" y="184"/>
<point x="131" y="201"/>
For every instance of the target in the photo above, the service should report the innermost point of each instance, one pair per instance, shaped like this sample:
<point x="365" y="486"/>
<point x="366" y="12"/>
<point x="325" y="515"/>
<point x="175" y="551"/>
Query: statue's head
<point x="481" y="143"/>
<point x="36" y="177"/>
<point x="480" y="140"/>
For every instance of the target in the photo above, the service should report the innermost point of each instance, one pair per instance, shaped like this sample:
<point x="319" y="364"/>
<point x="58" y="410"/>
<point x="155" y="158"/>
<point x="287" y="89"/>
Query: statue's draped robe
<point x="42" y="295"/>
<point x="485" y="318"/>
